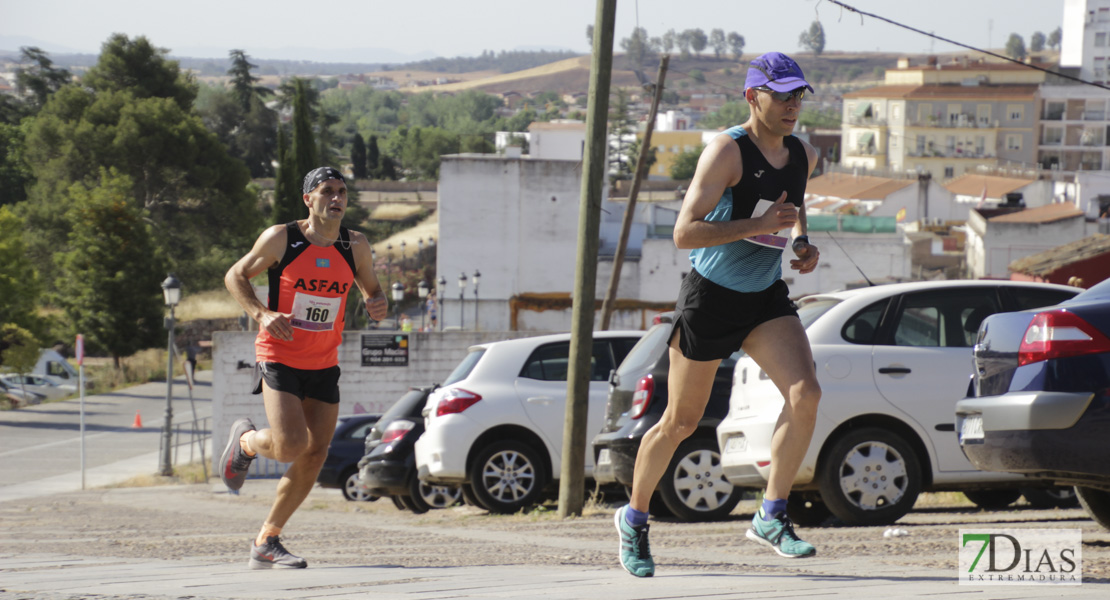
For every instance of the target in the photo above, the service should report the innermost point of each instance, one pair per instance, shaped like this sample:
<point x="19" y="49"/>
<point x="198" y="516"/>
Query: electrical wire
<point x="962" y="45"/>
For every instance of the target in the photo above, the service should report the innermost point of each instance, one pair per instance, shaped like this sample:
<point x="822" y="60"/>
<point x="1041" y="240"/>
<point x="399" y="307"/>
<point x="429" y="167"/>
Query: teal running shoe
<point x="635" y="553"/>
<point x="778" y="533"/>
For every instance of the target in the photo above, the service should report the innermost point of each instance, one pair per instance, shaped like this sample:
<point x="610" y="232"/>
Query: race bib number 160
<point x="314" y="313"/>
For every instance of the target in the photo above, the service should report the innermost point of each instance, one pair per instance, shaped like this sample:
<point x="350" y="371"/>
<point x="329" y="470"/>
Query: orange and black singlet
<point x="310" y="283"/>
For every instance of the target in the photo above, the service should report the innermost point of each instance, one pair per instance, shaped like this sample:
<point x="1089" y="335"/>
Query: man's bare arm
<point x="267" y="251"/>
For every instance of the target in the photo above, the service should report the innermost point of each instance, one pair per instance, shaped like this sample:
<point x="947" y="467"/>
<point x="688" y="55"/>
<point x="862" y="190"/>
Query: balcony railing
<point x="942" y="123"/>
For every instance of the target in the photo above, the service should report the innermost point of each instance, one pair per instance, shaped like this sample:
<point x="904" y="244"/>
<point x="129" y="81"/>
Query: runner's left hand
<point x="377" y="307"/>
<point x="807" y="259"/>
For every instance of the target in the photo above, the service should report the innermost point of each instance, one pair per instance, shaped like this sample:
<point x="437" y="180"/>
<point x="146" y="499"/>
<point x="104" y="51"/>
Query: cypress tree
<point x="358" y="157"/>
<point x="304" y="142"/>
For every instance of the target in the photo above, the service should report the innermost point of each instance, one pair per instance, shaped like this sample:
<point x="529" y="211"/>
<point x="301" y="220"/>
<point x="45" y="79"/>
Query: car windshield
<point x="646" y="351"/>
<point x="810" y="311"/>
<point x="465" y="367"/>
<point x="1098" y="290"/>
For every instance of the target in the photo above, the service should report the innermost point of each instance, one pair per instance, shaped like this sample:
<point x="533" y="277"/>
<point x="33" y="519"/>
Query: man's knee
<point x="679" y="427"/>
<point x="287" y="447"/>
<point x="804" y="398"/>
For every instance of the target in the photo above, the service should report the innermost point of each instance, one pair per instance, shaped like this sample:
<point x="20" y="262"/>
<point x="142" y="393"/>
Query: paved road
<point x="40" y="446"/>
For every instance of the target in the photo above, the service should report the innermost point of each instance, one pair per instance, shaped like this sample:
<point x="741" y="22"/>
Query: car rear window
<point x="465" y="367"/>
<point x="1027" y="298"/>
<point x="646" y="351"/>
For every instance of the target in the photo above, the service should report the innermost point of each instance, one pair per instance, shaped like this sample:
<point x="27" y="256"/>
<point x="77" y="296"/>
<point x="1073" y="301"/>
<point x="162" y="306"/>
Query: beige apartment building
<point x="944" y="118"/>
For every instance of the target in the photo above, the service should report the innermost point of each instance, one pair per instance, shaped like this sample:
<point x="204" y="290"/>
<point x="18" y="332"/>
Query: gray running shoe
<point x="273" y="554"/>
<point x="234" y="462"/>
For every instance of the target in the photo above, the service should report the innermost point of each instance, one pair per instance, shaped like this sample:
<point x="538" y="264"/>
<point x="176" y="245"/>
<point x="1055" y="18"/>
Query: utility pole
<point x="572" y="487"/>
<point x="641" y="172"/>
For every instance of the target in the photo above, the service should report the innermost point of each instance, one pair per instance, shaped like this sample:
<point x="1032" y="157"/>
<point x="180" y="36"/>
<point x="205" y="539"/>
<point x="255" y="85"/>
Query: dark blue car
<point x="348" y="444"/>
<point x="1039" y="401"/>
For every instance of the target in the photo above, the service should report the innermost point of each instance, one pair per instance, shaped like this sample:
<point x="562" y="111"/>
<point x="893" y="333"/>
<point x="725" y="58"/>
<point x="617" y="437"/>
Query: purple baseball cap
<point x="776" y="71"/>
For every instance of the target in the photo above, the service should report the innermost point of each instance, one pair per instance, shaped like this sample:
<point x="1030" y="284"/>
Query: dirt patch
<point x="195" y="521"/>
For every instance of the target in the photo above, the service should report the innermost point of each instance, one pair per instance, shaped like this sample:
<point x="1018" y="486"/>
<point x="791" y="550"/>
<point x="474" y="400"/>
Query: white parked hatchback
<point x="892" y="361"/>
<point x="495" y="426"/>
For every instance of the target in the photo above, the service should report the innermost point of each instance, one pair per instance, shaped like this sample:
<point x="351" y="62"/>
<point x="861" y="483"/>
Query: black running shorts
<point x="713" y="321"/>
<point x="321" y="384"/>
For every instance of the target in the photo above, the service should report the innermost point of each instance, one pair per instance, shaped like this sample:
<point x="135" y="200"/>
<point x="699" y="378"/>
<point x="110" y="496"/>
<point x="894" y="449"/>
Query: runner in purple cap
<point x="745" y="199"/>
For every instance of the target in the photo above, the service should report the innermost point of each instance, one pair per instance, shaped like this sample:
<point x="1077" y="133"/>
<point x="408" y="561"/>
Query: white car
<point x="495" y="427"/>
<point x="892" y="361"/>
<point x="39" y="385"/>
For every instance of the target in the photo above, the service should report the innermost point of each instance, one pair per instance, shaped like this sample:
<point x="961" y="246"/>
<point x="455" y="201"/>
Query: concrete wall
<point x="432" y="357"/>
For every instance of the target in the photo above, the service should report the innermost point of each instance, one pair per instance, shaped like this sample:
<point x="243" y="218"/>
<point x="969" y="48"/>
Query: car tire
<point x="694" y="486"/>
<point x="352" y="490"/>
<point x="468" y="495"/>
<point x="425" y="496"/>
<point x="507" y="476"/>
<point x="414" y="501"/>
<point x="1096" y="503"/>
<point x="398" y="503"/>
<point x="993" y="499"/>
<point x="1052" y="497"/>
<point x="807" y="512"/>
<point x="870" y="476"/>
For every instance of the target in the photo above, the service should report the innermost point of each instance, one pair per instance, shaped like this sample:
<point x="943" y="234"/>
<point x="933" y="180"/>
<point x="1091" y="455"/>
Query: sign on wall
<point x="390" y="350"/>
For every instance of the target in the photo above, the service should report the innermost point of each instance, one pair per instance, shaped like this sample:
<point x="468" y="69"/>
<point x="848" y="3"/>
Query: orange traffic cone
<point x="138" y="424"/>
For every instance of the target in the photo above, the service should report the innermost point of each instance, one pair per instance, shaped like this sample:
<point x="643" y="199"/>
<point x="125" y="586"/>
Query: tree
<point x="1036" y="42"/>
<point x="109" y="279"/>
<point x="633" y="157"/>
<point x="304" y="142"/>
<point x="621" y="123"/>
<point x="38" y="80"/>
<point x="732" y="113"/>
<point x="718" y="42"/>
<point x="590" y="35"/>
<point x="683" y="42"/>
<point x="697" y="75"/>
<point x="669" y="40"/>
<point x="1015" y="47"/>
<point x="1054" y="38"/>
<point x="373" y="160"/>
<point x="19" y="283"/>
<point x="813" y="38"/>
<point x="19" y="350"/>
<point x="288" y="195"/>
<point x="15" y="175"/>
<point x="243" y="81"/>
<point x="193" y="192"/>
<point x="685" y="164"/>
<point x="698" y="40"/>
<point x="358" y="157"/>
<point x="139" y="68"/>
<point x="636" y="47"/>
<point x="736" y="44"/>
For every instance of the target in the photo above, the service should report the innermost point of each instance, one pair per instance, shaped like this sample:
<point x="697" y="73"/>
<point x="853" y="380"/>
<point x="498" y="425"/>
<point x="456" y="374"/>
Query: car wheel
<point x="352" y="488"/>
<point x="694" y="486"/>
<point x="870" y="476"/>
<point x="807" y="512"/>
<point x="993" y="499"/>
<point x="1096" y="503"/>
<point x="414" y="501"/>
<point x="468" y="495"/>
<point x="398" y="503"/>
<point x="437" y="496"/>
<point x="507" y="477"/>
<point x="1053" y="497"/>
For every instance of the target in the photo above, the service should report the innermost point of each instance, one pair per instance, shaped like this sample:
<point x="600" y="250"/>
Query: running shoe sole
<point x="755" y="537"/>
<point x="231" y="479"/>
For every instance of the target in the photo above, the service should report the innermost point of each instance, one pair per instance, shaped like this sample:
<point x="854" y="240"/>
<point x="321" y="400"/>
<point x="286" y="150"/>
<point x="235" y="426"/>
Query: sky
<point x="405" y="30"/>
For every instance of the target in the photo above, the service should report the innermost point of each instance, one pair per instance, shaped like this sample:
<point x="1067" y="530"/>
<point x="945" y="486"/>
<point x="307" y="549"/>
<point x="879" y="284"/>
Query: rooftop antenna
<point x="850" y="259"/>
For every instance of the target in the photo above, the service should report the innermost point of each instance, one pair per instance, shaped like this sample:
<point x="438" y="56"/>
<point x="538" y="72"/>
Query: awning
<point x="863" y="109"/>
<point x="865" y="139"/>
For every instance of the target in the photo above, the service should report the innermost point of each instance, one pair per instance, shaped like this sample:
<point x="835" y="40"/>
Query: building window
<point x="895" y="112"/>
<point x="983" y="114"/>
<point x="1013" y="142"/>
<point x="1053" y="136"/>
<point x="1104" y="14"/>
<point x="1100" y="39"/>
<point x="925" y="113"/>
<point x="949" y="172"/>
<point x="1054" y="111"/>
<point x="1016" y="112"/>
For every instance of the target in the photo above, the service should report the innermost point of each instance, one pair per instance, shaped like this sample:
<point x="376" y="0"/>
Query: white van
<point x="55" y="368"/>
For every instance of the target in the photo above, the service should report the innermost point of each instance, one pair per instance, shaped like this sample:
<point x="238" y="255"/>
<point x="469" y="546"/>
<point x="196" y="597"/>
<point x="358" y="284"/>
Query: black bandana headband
<point x="318" y="175"/>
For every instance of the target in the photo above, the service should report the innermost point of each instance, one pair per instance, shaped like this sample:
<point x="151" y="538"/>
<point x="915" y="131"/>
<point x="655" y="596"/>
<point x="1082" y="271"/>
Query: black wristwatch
<point x="801" y="239"/>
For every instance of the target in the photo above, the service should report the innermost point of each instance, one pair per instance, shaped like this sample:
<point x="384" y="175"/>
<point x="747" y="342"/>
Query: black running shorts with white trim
<point x="713" y="321"/>
<point x="321" y="384"/>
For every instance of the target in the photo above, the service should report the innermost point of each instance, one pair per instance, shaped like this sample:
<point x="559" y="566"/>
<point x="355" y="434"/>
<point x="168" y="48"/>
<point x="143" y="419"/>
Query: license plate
<point x="603" y="457"/>
<point x="972" y="430"/>
<point x="736" y="443"/>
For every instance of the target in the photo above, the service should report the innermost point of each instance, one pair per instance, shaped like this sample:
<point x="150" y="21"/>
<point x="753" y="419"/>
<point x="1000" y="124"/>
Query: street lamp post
<point x="441" y="288"/>
<point x="422" y="289"/>
<point x="462" y="298"/>
<point x="403" y="254"/>
<point x="477" y="276"/>
<point x="398" y="296"/>
<point x="171" y="291"/>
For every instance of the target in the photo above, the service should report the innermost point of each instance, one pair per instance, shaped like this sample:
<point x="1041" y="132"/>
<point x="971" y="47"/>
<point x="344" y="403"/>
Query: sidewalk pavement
<point x="56" y="577"/>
